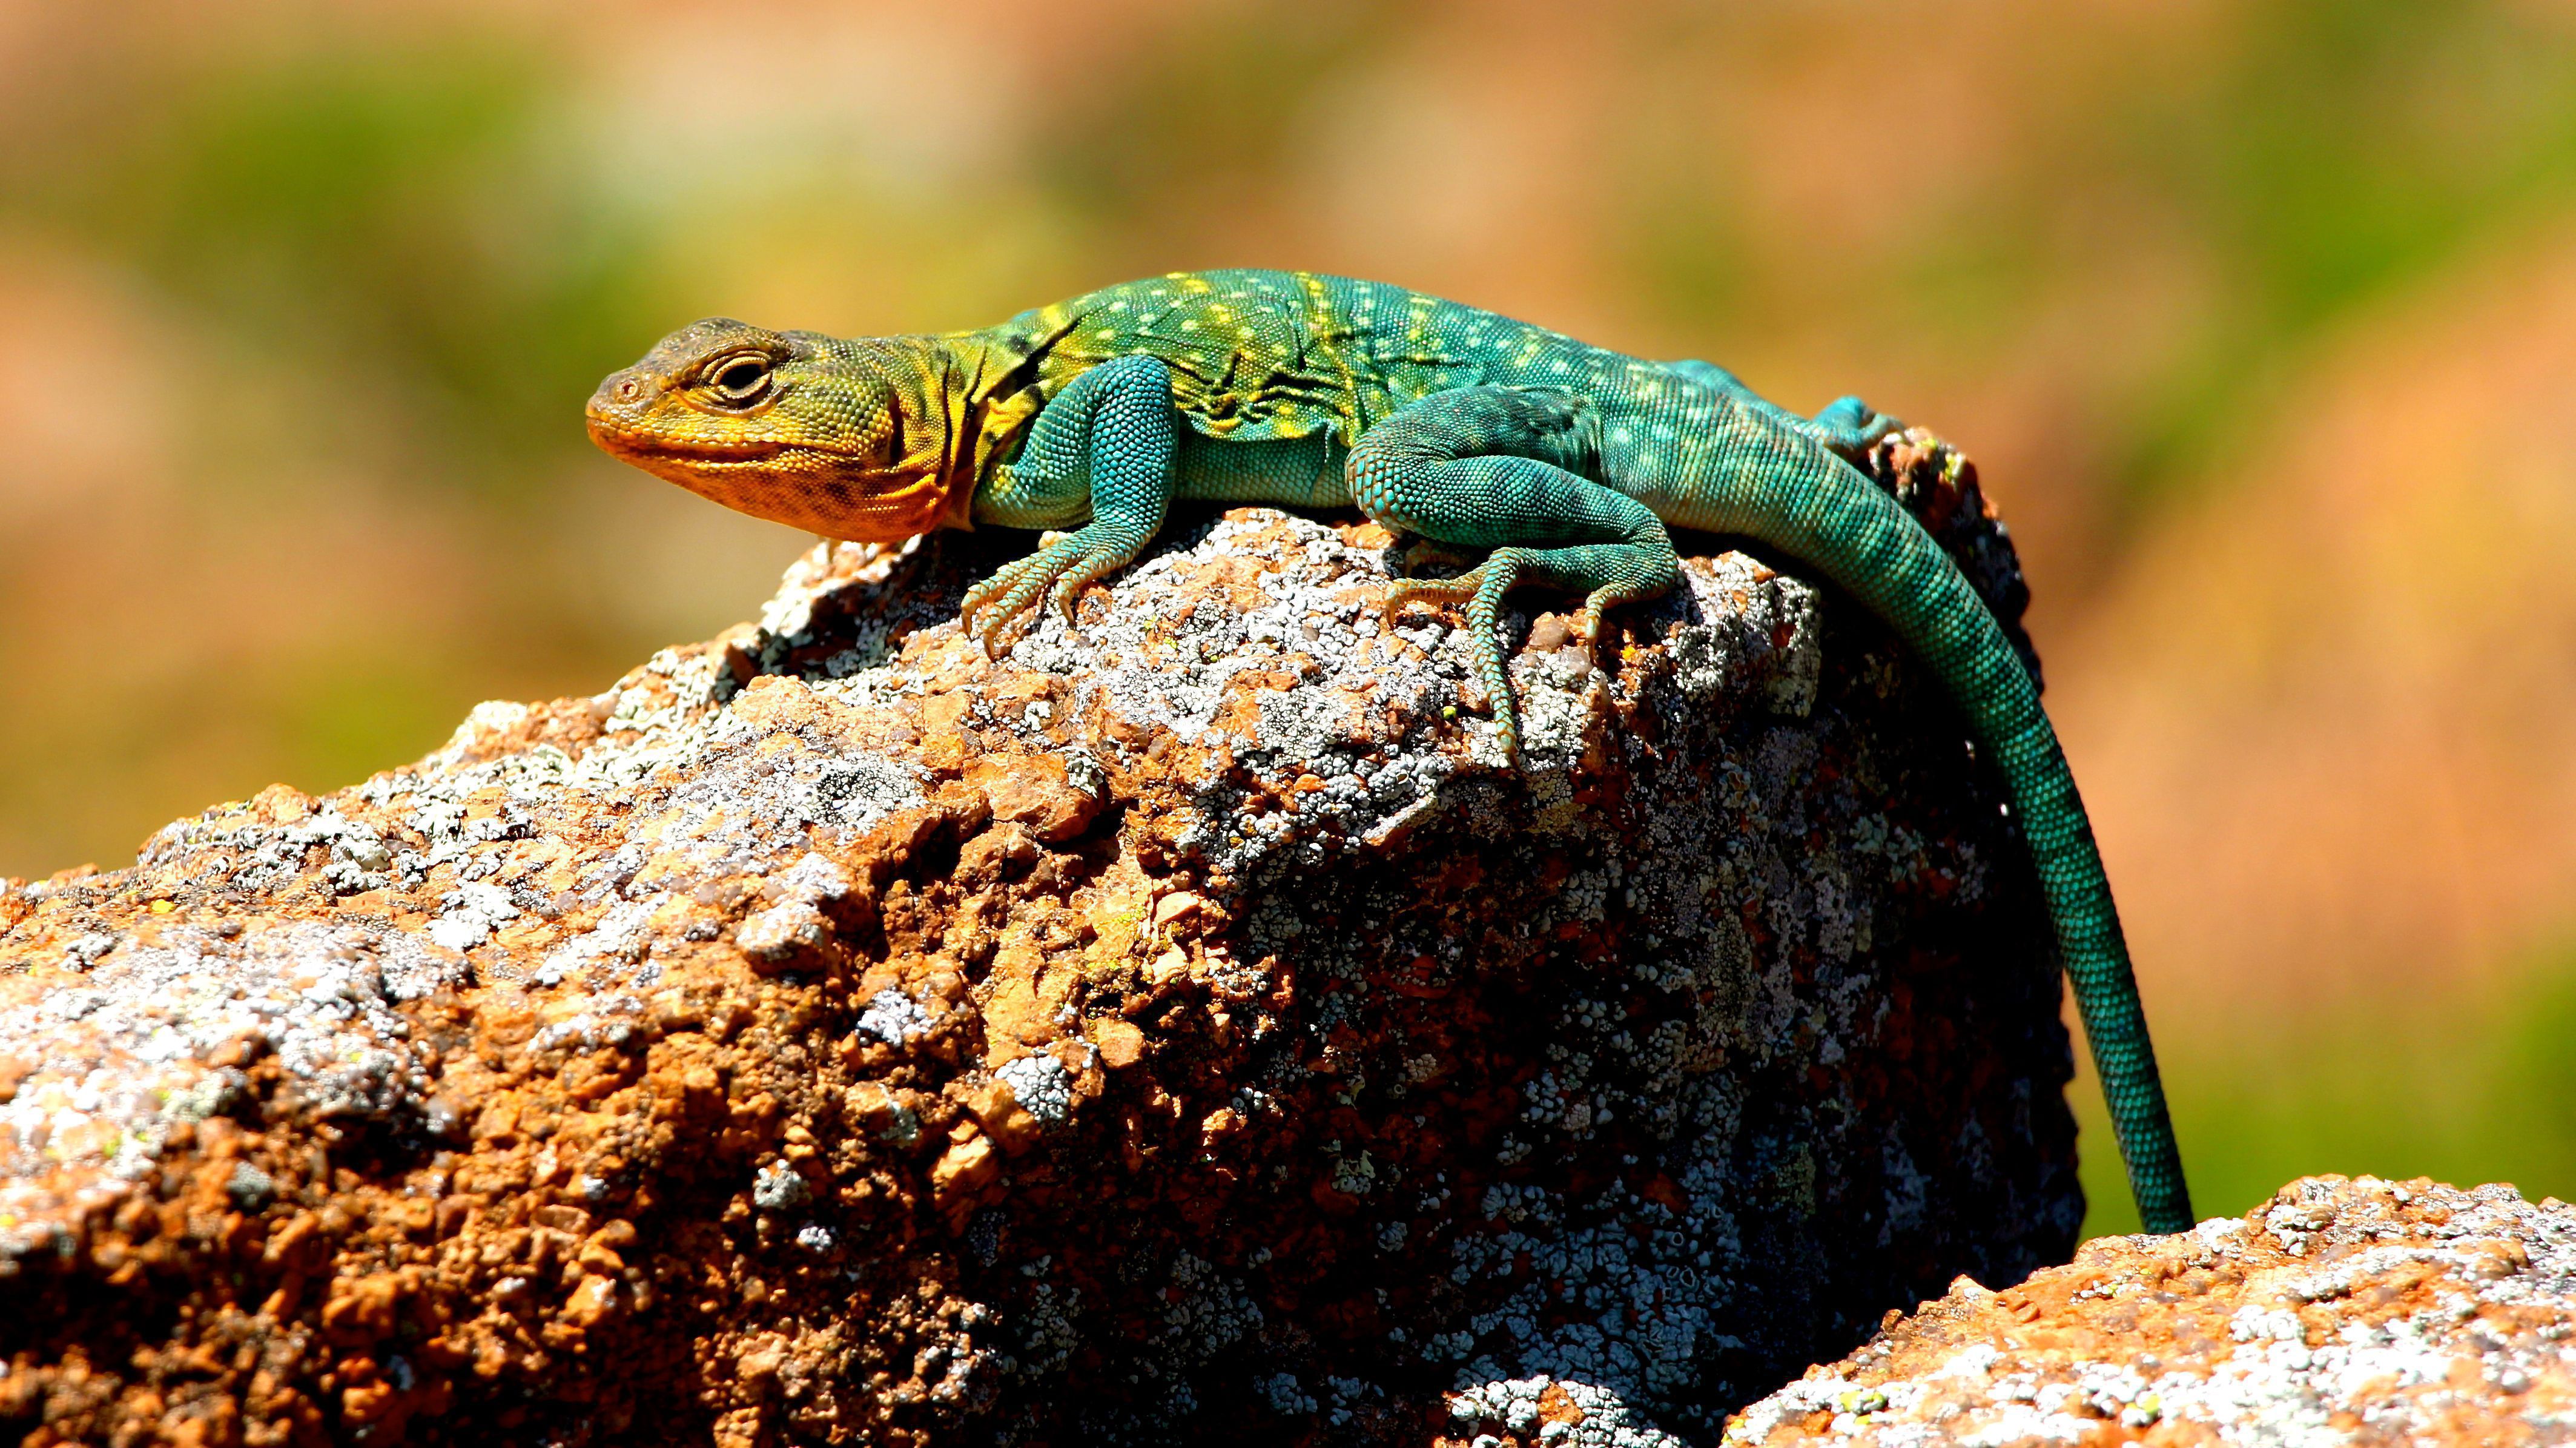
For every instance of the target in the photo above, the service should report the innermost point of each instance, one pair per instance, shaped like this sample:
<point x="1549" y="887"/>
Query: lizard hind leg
<point x="1497" y="467"/>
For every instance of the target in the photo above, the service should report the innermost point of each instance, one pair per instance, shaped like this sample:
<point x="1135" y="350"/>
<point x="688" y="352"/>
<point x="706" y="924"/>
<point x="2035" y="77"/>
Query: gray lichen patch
<point x="1546" y="1410"/>
<point x="151" y="1036"/>
<point x="1042" y="1087"/>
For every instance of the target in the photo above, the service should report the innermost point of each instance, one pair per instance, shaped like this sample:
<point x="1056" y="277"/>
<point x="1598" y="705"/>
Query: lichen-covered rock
<point x="1189" y="1022"/>
<point x="2341" y="1311"/>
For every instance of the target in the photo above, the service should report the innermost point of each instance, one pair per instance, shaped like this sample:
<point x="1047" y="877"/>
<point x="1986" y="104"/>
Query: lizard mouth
<point x="641" y="443"/>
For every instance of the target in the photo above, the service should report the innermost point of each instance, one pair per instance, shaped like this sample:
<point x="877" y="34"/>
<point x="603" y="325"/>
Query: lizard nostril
<point x="626" y="390"/>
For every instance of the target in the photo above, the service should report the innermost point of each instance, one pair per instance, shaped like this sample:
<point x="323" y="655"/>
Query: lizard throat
<point x="872" y="509"/>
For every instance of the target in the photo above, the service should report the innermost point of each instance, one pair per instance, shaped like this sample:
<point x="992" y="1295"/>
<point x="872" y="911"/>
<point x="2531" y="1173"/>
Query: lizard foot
<point x="1483" y="588"/>
<point x="1056" y="574"/>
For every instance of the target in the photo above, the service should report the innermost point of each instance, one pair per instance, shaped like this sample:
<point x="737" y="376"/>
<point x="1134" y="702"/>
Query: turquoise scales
<point x="1566" y="461"/>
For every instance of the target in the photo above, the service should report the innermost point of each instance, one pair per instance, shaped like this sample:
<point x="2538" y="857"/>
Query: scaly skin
<point x="1435" y="419"/>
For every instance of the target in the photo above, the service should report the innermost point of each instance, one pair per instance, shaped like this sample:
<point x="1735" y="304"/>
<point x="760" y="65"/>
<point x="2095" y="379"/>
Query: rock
<point x="2343" y="1310"/>
<point x="1188" y="1023"/>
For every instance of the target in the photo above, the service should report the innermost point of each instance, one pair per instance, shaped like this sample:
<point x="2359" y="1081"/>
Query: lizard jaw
<point x="643" y="446"/>
<point x="816" y="497"/>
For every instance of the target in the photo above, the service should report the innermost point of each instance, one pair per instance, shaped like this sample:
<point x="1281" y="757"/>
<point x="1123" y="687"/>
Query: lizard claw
<point x="1587" y="624"/>
<point x="1001" y="598"/>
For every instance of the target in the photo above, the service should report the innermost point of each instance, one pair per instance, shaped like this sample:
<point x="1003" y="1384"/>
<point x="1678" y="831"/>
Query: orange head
<point x="849" y="439"/>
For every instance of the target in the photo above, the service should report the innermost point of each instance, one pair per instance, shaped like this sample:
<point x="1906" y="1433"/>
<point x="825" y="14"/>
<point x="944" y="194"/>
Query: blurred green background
<point x="2260" y="318"/>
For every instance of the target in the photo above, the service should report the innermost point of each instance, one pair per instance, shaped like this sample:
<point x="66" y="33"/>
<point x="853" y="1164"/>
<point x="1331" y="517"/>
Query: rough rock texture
<point x="2341" y="1311"/>
<point x="1187" y="1023"/>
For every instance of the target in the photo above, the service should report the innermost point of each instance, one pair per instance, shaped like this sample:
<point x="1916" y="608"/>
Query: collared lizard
<point x="1438" y="420"/>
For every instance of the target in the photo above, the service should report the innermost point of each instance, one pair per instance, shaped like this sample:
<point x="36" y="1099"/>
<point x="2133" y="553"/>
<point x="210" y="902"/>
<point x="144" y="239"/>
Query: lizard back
<point x="1303" y="363"/>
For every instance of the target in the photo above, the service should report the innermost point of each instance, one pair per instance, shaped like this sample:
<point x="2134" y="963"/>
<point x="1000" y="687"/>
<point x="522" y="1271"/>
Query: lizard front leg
<point x="1496" y="467"/>
<point x="1103" y="449"/>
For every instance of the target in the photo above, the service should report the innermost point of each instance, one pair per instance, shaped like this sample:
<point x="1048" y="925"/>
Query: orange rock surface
<point x="1189" y="1020"/>
<point x="2344" y="1310"/>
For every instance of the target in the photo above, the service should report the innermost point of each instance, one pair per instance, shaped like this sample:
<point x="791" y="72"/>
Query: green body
<point x="1438" y="420"/>
<point x="1277" y="375"/>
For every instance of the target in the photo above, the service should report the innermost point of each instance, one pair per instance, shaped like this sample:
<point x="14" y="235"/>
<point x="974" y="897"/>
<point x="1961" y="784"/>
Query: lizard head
<point x="848" y="439"/>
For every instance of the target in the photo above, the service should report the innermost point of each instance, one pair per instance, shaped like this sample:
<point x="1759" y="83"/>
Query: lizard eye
<point x="740" y="379"/>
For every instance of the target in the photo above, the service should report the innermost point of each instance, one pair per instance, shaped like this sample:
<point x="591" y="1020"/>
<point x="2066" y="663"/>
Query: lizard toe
<point x="1403" y="593"/>
<point x="1053" y="577"/>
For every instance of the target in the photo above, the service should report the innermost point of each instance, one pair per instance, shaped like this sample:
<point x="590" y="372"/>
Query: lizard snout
<point x="618" y="413"/>
<point x="618" y="397"/>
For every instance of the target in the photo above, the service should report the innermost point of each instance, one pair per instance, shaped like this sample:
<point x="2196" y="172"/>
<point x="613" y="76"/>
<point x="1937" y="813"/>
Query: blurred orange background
<point x="2259" y="317"/>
